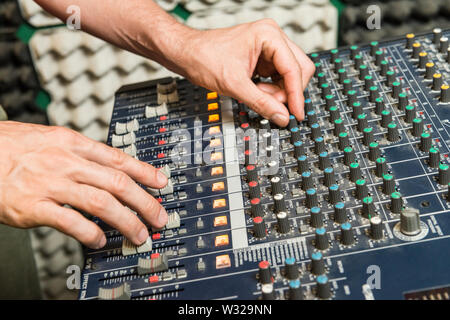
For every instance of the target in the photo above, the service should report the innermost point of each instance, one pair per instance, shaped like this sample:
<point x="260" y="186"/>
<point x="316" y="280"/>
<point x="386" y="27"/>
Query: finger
<point x="123" y="188"/>
<point x="304" y="61"/>
<point x="287" y="66"/>
<point x="102" y="204"/>
<point x="274" y="90"/>
<point x="72" y="223"/>
<point x="119" y="160"/>
<point x="261" y="102"/>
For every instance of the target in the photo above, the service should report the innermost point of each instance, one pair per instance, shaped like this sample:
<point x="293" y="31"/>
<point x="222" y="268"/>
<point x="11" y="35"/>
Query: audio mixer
<point x="351" y="203"/>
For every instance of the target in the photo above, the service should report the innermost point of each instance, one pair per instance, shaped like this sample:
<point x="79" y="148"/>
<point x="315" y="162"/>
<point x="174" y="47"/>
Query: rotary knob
<point x="410" y="113"/>
<point x="388" y="183"/>
<point x="361" y="189"/>
<point x="279" y="203"/>
<point x="259" y="227"/>
<point x="349" y="156"/>
<point x="444" y="174"/>
<point x="295" y="290"/>
<point x="434" y="157"/>
<point x="380" y="167"/>
<point x="321" y="239"/>
<point x="355" y="171"/>
<point x="344" y="140"/>
<point x="307" y="180"/>
<point x="315" y="131"/>
<point x="267" y="292"/>
<point x="256" y="209"/>
<point x="445" y="93"/>
<point x="340" y="213"/>
<point x="302" y="164"/>
<point x="252" y="173"/>
<point x="324" y="160"/>
<point x="347" y="237"/>
<point x="295" y="134"/>
<point x="379" y="105"/>
<point x="362" y="122"/>
<point x="291" y="268"/>
<point x="264" y="124"/>
<point x="376" y="228"/>
<point x="374" y="151"/>
<point x="299" y="149"/>
<point x="368" y="209"/>
<point x="409" y="222"/>
<point x="308" y="105"/>
<point x="386" y="118"/>
<point x="275" y="183"/>
<point x="292" y="122"/>
<point x="338" y="126"/>
<point x="437" y="34"/>
<point x="317" y="263"/>
<point x="264" y="272"/>
<point x="316" y="217"/>
<point x="254" y="190"/>
<point x="334" y="194"/>
<point x="319" y="145"/>
<point x="396" y="202"/>
<point x="417" y="127"/>
<point x="311" y="198"/>
<point x="334" y="113"/>
<point x="425" y="141"/>
<point x="402" y="101"/>
<point x="329" y="177"/>
<point x="409" y="40"/>
<point x="393" y="134"/>
<point x="323" y="287"/>
<point x="429" y="70"/>
<point x="356" y="109"/>
<point x="283" y="222"/>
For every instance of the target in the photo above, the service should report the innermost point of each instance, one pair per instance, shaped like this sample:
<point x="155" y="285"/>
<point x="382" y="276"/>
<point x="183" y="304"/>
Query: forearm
<point x="140" y="26"/>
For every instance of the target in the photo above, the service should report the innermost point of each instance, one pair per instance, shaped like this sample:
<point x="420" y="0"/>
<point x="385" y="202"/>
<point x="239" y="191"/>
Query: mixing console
<point x="351" y="203"/>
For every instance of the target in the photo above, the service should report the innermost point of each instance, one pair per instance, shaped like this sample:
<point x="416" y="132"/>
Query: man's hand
<point x="42" y="168"/>
<point x="225" y="60"/>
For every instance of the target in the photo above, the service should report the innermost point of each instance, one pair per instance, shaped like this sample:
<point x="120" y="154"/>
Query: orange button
<point x="214" y="130"/>
<point x="223" y="261"/>
<point x="218" y="186"/>
<point x="221" y="241"/>
<point x="220" y="221"/>
<point x="215" y="171"/>
<point x="219" y="203"/>
<point x="216" y="156"/>
<point x="211" y="95"/>
<point x="213" y="117"/>
<point x="213" y="106"/>
<point x="215" y="143"/>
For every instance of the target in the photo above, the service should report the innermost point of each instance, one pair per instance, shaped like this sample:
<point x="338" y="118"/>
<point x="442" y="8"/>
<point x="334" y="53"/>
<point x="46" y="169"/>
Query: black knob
<point x="265" y="274"/>
<point x="347" y="85"/>
<point x="308" y="105"/>
<point x="275" y="183"/>
<point x="374" y="151"/>
<point x="334" y="113"/>
<point x="324" y="160"/>
<point x="417" y="127"/>
<point x="321" y="78"/>
<point x="264" y="124"/>
<point x="328" y="176"/>
<point x="356" y="109"/>
<point x="311" y="116"/>
<point x="374" y="47"/>
<point x="292" y="122"/>
<point x="315" y="131"/>
<point x="373" y="93"/>
<point x="291" y="268"/>
<point x="295" y="290"/>
<point x="429" y="70"/>
<point x="416" y="50"/>
<point x="351" y="97"/>
<point x="354" y="50"/>
<point x="396" y="202"/>
<point x="445" y="93"/>
<point x="437" y="34"/>
<point x="329" y="101"/>
<point x="376" y="228"/>
<point x="393" y="134"/>
<point x="410" y="113"/>
<point x="349" y="156"/>
<point x="267" y="292"/>
<point x="344" y="141"/>
<point x="252" y="173"/>
<point x="295" y="134"/>
<point x="388" y="183"/>
<point x="307" y="181"/>
<point x="423" y="60"/>
<point x="379" y="105"/>
<point x="256" y="208"/>
<point x="340" y="213"/>
<point x="355" y="171"/>
<point x="425" y="141"/>
<point x="368" y="209"/>
<point x="402" y="101"/>
<point x="319" y="145"/>
<point x="279" y="203"/>
<point x="381" y="167"/>
<point x="323" y="287"/>
<point x="338" y="126"/>
<point x="363" y="71"/>
<point x="390" y="77"/>
<point x="259" y="227"/>
<point x="326" y="90"/>
<point x="396" y="89"/>
<point x="347" y="237"/>
<point x="386" y="118"/>
<point x="368" y="82"/>
<point x="434" y="157"/>
<point x="409" y="40"/>
<point x="299" y="149"/>
<point x="379" y="56"/>
<point x="444" y="174"/>
<point x="311" y="198"/>
<point x="437" y="81"/>
<point x="321" y="239"/>
<point x="443" y="46"/>
<point x="254" y="190"/>
<point x="283" y="222"/>
<point x="362" y="122"/>
<point x="361" y="189"/>
<point x="342" y="75"/>
<point x="384" y="65"/>
<point x="317" y="263"/>
<point x="368" y="136"/>
<point x="334" y="193"/>
<point x="302" y="164"/>
<point x="316" y="216"/>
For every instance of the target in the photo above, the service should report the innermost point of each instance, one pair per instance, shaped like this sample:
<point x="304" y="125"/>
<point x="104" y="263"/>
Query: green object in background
<point x="181" y="11"/>
<point x="42" y="100"/>
<point x="25" y="32"/>
<point x="340" y="7"/>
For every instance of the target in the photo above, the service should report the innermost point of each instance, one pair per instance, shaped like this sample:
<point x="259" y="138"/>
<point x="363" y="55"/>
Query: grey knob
<point x="409" y="222"/>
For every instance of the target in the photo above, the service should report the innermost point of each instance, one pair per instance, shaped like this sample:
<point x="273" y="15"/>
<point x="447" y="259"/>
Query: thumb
<point x="263" y="103"/>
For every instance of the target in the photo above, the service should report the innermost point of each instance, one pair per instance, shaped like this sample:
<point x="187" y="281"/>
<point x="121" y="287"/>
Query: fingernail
<point x="143" y="235"/>
<point x="280" y="119"/>
<point x="101" y="243"/>
<point x="162" y="179"/>
<point x="162" y="218"/>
